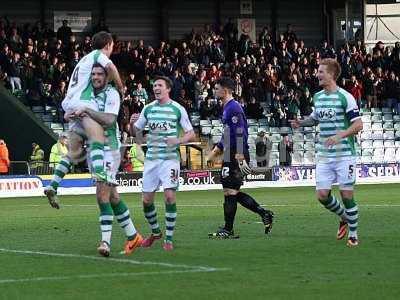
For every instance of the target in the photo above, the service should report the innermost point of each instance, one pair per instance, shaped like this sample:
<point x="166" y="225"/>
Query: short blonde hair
<point x="332" y="66"/>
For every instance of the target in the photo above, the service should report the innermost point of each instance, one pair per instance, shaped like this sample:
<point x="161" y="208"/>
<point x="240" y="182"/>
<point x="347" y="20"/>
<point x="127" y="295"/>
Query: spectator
<point x="306" y="103"/>
<point x="4" y="158"/>
<point x="392" y="93"/>
<point x="206" y="109"/>
<point x="371" y="90"/>
<point x="58" y="150"/>
<point x="355" y="88"/>
<point x="263" y="149"/>
<point x="136" y="156"/>
<point x="37" y="157"/>
<point x="14" y="74"/>
<point x="64" y="32"/>
<point x="254" y="110"/>
<point x="285" y="148"/>
<point x="141" y="93"/>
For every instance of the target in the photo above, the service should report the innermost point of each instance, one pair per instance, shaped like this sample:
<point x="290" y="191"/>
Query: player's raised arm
<point x="113" y="75"/>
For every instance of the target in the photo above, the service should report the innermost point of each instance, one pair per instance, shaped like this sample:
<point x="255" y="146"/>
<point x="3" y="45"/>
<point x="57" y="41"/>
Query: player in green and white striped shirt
<point x="337" y="113"/>
<point x="79" y="95"/>
<point x="165" y="119"/>
<point x="107" y="101"/>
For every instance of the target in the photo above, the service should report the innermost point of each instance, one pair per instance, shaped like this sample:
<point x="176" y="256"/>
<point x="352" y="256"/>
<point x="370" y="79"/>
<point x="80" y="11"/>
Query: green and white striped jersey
<point x="108" y="101"/>
<point x="335" y="112"/>
<point x="80" y="85"/>
<point x="164" y="121"/>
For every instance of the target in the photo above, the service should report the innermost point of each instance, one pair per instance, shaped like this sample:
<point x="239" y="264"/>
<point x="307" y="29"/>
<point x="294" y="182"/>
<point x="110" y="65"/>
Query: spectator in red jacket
<point x="355" y="88"/>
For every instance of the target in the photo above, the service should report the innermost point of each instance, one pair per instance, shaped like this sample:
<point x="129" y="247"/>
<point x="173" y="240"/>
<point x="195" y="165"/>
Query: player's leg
<point x="151" y="183"/>
<point x="231" y="180"/>
<point x="95" y="136"/>
<point x="325" y="177"/>
<point x="112" y="161"/>
<point x="106" y="217"/>
<point x="346" y="179"/>
<point x="75" y="151"/>
<point x="250" y="203"/>
<point x="169" y="173"/>
<point x="122" y="214"/>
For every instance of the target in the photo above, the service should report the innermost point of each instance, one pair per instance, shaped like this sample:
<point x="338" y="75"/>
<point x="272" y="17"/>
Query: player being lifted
<point x="165" y="119"/>
<point x="79" y="94"/>
<point x="337" y="113"/>
<point x="107" y="101"/>
<point x="235" y="150"/>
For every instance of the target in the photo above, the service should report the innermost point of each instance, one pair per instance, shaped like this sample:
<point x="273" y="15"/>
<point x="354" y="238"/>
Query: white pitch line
<point x="110" y="259"/>
<point x="103" y="275"/>
<point x="215" y="205"/>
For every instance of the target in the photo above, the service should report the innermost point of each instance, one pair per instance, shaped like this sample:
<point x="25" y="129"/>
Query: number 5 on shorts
<point x="351" y="171"/>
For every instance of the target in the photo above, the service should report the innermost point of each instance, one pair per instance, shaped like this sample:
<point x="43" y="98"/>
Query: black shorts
<point x="231" y="177"/>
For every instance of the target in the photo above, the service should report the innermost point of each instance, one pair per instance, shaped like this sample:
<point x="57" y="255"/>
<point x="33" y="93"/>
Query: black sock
<point x="249" y="203"/>
<point x="230" y="206"/>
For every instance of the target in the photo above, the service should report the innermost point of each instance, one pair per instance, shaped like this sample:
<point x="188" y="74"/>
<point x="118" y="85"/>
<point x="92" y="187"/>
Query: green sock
<point x="334" y="206"/>
<point x="151" y="215"/>
<point x="352" y="216"/>
<point x="97" y="156"/>
<point x="106" y="219"/>
<point x="62" y="169"/>
<point x="121" y="212"/>
<point x="170" y="220"/>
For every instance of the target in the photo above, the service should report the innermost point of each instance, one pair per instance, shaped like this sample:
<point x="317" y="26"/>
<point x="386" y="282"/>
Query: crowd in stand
<point x="273" y="78"/>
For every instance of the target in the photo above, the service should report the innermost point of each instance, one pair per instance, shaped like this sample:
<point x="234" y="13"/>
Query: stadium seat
<point x="365" y="111"/>
<point x="215" y="138"/>
<point x="376" y="111"/>
<point x="274" y="129"/>
<point x="377" y="126"/>
<point x="388" y="125"/>
<point x="397" y="135"/>
<point x="389" y="144"/>
<point x="388" y="135"/>
<point x="366" y="159"/>
<point x="205" y="122"/>
<point x="309" y="129"/>
<point x="309" y="146"/>
<point x="386" y="110"/>
<point x="387" y="117"/>
<point x="298" y="137"/>
<point x="216" y="122"/>
<point x="297" y="158"/>
<point x="275" y="137"/>
<point x="377" y="135"/>
<point x="298" y="147"/>
<point x="274" y="147"/>
<point x="285" y="130"/>
<point x="367" y="152"/>
<point x="217" y="131"/>
<point x="390" y="155"/>
<point x="377" y="144"/>
<point x="366" y="144"/>
<point x="309" y="158"/>
<point x="310" y="136"/>
<point x="206" y="129"/>
<point x="396" y="126"/>
<point x="263" y="122"/>
<point x="366" y="135"/>
<point x="253" y="129"/>
<point x="397" y="144"/>
<point x="251" y="121"/>
<point x="367" y="126"/>
<point x="366" y="118"/>
<point x="376" y="118"/>
<point x="274" y="155"/>
<point x="398" y="155"/>
<point x="396" y="118"/>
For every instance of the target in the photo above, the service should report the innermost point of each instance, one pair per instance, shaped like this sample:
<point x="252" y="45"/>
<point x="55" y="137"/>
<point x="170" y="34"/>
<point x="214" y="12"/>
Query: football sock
<point x="248" y="202"/>
<point x="334" y="206"/>
<point x="151" y="215"/>
<point x="352" y="216"/>
<point x="121" y="212"/>
<point x="170" y="220"/>
<point x="62" y="168"/>
<point x="97" y="156"/>
<point x="230" y="207"/>
<point x="106" y="219"/>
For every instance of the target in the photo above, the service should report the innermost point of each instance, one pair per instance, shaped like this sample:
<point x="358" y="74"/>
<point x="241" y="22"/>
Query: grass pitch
<point x="50" y="254"/>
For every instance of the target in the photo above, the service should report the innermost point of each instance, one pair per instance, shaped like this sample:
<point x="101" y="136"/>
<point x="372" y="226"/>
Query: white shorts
<point x="71" y="104"/>
<point x="112" y="161"/>
<point x="160" y="172"/>
<point x="342" y="172"/>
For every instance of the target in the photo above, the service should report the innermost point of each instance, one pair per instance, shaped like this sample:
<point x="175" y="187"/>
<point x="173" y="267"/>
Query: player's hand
<point x="294" y="123"/>
<point x="244" y="167"/>
<point x="213" y="154"/>
<point x="173" y="141"/>
<point x="332" y="140"/>
<point x="80" y="112"/>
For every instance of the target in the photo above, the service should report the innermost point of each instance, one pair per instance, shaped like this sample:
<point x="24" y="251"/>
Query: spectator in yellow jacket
<point x="137" y="157"/>
<point x="37" y="157"/>
<point x="58" y="150"/>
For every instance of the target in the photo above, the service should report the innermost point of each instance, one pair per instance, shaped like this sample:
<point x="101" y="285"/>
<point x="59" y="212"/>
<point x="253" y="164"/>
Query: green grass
<point x="300" y="259"/>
